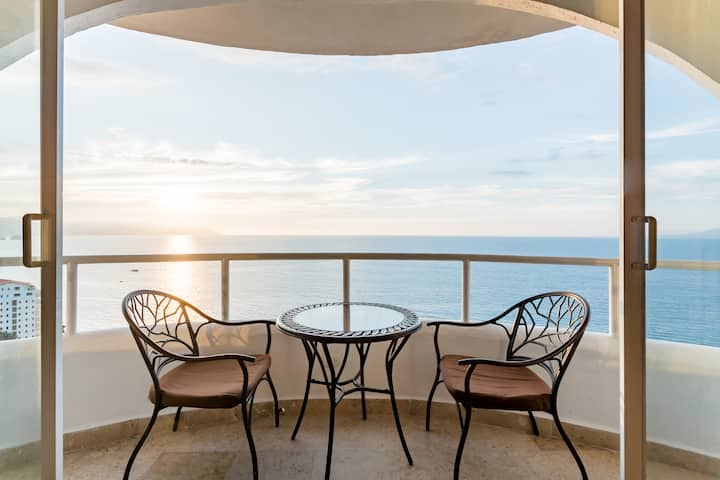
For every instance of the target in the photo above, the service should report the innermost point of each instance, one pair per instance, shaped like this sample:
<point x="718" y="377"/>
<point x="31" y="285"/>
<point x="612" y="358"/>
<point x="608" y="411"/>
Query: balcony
<point x="213" y="448"/>
<point x="105" y="386"/>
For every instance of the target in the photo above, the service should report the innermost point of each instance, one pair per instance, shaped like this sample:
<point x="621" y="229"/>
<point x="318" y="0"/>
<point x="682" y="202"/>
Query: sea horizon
<point x="683" y="305"/>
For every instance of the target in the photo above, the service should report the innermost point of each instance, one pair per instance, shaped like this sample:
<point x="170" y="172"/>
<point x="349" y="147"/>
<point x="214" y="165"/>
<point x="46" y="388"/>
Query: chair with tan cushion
<point x="166" y="330"/>
<point x="542" y="332"/>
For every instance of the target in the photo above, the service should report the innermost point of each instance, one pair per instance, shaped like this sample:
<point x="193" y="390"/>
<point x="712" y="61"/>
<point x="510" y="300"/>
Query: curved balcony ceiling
<point x="345" y="27"/>
<point x="376" y="27"/>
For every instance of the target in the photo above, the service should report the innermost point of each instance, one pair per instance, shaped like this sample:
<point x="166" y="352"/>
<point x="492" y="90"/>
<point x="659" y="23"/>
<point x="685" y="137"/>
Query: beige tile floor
<point x="367" y="450"/>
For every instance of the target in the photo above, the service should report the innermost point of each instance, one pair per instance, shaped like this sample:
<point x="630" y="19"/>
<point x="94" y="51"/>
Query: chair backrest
<point x="548" y="325"/>
<point x="162" y="323"/>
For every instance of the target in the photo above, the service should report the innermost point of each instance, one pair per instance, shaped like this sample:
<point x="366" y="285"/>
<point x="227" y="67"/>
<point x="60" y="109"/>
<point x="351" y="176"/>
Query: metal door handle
<point x="652" y="242"/>
<point x="27" y="256"/>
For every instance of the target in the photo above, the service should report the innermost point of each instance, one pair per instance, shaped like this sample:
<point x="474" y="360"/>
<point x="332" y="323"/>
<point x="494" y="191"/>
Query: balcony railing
<point x="466" y="260"/>
<point x="670" y="364"/>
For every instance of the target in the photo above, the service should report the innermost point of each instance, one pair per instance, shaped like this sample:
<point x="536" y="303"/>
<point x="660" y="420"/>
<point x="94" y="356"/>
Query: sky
<point x="519" y="138"/>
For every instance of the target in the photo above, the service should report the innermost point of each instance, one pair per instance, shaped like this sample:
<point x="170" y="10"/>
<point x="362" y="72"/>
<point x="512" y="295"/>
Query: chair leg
<point x="392" y="352"/>
<point x="362" y="381"/>
<point x="140" y="443"/>
<point x="436" y="382"/>
<point x="535" y="430"/>
<point x="251" y="442"/>
<point x="177" y="419"/>
<point x="569" y="444"/>
<point x="460" y="416"/>
<point x="463" y="438"/>
<point x="276" y="404"/>
<point x="311" y="363"/>
<point x="250" y="410"/>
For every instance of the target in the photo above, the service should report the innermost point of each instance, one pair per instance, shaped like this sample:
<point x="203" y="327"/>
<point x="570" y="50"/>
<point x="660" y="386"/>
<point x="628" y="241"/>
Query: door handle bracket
<point x="652" y="242"/>
<point x="27" y="256"/>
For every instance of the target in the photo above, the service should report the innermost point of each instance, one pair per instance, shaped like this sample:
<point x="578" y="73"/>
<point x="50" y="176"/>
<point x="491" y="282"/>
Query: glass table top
<point x="349" y="318"/>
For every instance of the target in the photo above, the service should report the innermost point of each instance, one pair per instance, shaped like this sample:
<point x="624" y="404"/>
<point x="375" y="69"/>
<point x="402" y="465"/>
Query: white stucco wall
<point x="106" y="382"/>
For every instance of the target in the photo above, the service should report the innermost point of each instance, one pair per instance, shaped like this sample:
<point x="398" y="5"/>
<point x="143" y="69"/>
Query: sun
<point x="177" y="201"/>
<point x="179" y="244"/>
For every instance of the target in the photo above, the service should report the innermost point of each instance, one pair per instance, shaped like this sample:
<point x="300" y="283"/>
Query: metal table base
<point x="317" y="351"/>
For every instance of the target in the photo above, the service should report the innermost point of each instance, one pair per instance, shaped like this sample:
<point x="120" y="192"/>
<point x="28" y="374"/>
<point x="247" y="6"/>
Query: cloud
<point x="93" y="73"/>
<point x="186" y="161"/>
<point x="423" y="67"/>
<point x="122" y="149"/>
<point x="426" y="67"/>
<point x="684" y="169"/>
<point x="554" y="156"/>
<point x="147" y="185"/>
<point x="126" y="162"/>
<point x="157" y="183"/>
<point x="685" y="130"/>
<point x="600" y="138"/>
<point x="510" y="173"/>
<point x="85" y="73"/>
<point x="571" y="189"/>
<point x="144" y="185"/>
<point x="688" y="129"/>
<point x="268" y="61"/>
<point x="336" y="165"/>
<point x="685" y="190"/>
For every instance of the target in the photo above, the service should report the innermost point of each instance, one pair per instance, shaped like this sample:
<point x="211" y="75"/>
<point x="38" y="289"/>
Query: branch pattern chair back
<point x="162" y="323"/>
<point x="549" y="327"/>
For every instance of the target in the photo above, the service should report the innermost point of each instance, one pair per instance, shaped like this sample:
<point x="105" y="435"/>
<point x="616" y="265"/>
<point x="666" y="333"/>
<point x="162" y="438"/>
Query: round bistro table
<point x="357" y="324"/>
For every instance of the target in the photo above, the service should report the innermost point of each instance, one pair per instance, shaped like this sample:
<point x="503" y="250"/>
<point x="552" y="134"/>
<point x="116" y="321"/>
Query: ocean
<point x="683" y="306"/>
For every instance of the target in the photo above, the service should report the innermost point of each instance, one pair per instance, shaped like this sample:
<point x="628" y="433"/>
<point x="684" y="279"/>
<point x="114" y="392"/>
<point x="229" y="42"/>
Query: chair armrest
<point x="240" y="357"/>
<point x="245" y="323"/>
<point x="500" y="363"/>
<point x="439" y="323"/>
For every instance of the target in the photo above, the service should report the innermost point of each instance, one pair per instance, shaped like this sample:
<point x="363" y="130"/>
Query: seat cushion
<point x="501" y="388"/>
<point x="209" y="384"/>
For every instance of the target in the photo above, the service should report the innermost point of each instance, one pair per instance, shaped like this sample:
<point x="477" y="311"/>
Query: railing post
<point x="466" y="290"/>
<point x="225" y="288"/>
<point x="614" y="299"/>
<point x="72" y="299"/>
<point x="346" y="279"/>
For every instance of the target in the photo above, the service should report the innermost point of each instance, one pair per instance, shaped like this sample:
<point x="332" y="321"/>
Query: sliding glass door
<point x="29" y="254"/>
<point x="20" y="304"/>
<point x="683" y="192"/>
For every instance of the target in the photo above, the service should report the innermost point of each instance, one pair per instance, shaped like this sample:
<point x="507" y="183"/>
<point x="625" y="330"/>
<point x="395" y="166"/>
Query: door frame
<point x="51" y="133"/>
<point x="632" y="241"/>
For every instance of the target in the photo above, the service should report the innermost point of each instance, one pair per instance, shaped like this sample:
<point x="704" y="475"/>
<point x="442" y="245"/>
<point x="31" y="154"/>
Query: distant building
<point x="19" y="310"/>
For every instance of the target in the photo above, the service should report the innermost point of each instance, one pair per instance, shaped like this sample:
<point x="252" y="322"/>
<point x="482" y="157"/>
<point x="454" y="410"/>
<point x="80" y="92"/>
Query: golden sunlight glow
<point x="179" y="276"/>
<point x="179" y="244"/>
<point x="177" y="201"/>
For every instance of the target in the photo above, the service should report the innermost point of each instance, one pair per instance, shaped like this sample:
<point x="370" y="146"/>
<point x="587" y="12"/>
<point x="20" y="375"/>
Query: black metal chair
<point x="166" y="330"/>
<point x="543" y="332"/>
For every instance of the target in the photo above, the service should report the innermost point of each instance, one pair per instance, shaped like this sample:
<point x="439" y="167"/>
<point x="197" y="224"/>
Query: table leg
<point x="363" y="350"/>
<point x="310" y="353"/>
<point x="392" y="352"/>
<point x="330" y="382"/>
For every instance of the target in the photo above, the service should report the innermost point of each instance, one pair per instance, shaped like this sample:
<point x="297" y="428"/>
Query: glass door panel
<point x="19" y="286"/>
<point x="683" y="193"/>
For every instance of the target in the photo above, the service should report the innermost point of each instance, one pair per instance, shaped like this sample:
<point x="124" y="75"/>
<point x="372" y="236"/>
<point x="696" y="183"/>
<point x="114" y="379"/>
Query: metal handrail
<point x="209" y="257"/>
<point x="74" y="261"/>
